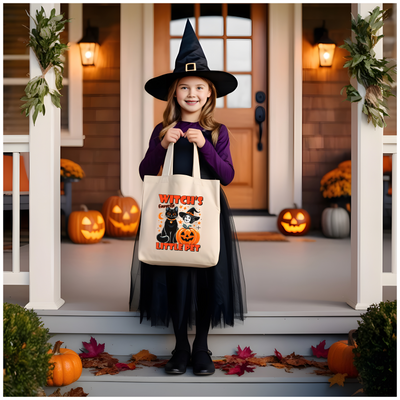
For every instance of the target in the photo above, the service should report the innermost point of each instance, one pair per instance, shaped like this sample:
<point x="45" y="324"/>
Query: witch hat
<point x="190" y="213"/>
<point x="191" y="61"/>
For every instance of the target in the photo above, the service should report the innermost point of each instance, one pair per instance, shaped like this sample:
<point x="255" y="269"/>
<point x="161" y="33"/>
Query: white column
<point x="366" y="197"/>
<point x="137" y="27"/>
<point x="44" y="196"/>
<point x="284" y="108"/>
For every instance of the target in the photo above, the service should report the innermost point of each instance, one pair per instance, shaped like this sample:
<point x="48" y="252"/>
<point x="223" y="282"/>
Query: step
<point x="264" y="381"/>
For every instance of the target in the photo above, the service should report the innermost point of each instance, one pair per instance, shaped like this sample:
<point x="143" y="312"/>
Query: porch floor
<point x="294" y="278"/>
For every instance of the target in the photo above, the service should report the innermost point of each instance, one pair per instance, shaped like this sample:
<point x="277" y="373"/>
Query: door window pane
<point x="220" y="102"/>
<point x="238" y="21"/>
<point x="211" y="22"/>
<point x="214" y="52"/>
<point x="174" y="45"/>
<point x="241" y="97"/>
<point x="179" y="14"/>
<point x="238" y="54"/>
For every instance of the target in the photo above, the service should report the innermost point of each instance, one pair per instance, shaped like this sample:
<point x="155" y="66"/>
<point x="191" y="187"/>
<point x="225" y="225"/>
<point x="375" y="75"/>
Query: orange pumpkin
<point x="341" y="356"/>
<point x="294" y="222"/>
<point x="188" y="236"/>
<point x="86" y="227"/>
<point x="67" y="366"/>
<point x="121" y="215"/>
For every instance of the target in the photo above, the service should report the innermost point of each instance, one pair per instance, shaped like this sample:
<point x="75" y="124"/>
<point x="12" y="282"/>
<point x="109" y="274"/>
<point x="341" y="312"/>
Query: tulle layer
<point x="155" y="290"/>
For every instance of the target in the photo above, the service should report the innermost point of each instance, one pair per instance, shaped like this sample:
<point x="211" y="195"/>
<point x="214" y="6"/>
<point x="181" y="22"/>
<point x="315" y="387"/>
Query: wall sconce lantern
<point x="89" y="45"/>
<point x="326" y="46"/>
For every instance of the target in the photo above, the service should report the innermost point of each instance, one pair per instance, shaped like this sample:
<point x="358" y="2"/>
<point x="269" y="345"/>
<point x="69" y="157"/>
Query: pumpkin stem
<point x="84" y="208"/>
<point x="57" y="345"/>
<point x="334" y="205"/>
<point x="351" y="341"/>
<point x="120" y="193"/>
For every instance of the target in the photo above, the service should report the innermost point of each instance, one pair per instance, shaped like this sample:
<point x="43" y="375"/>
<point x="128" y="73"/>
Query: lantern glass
<point x="326" y="52"/>
<point x="88" y="53"/>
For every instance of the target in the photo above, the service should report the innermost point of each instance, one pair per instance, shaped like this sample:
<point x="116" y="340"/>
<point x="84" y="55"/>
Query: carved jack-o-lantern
<point x="293" y="222"/>
<point x="187" y="236"/>
<point x="121" y="215"/>
<point x="86" y="226"/>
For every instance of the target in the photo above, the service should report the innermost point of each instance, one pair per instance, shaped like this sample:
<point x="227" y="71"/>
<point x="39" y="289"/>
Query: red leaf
<point x="125" y="367"/>
<point x="320" y="350"/>
<point x="92" y="349"/>
<point x="240" y="369"/>
<point x="245" y="353"/>
<point x="278" y="355"/>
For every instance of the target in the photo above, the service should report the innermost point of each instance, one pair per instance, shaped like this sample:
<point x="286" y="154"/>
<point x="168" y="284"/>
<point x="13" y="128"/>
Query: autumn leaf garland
<point x="45" y="43"/>
<point x="375" y="75"/>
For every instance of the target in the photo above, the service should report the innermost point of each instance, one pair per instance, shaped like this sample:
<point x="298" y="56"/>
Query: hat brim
<point x="224" y="82"/>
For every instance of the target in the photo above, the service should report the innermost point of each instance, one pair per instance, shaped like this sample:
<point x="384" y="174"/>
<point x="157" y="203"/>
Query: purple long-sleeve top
<point x="218" y="157"/>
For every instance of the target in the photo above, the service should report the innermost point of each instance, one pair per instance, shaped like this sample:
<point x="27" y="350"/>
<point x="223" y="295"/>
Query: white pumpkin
<point x="335" y="222"/>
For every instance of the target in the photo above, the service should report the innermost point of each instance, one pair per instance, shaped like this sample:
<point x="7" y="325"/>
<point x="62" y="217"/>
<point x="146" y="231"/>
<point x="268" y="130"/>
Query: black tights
<point x="203" y="316"/>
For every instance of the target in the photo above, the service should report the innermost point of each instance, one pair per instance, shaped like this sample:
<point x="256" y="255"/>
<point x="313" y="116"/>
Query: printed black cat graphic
<point x="168" y="234"/>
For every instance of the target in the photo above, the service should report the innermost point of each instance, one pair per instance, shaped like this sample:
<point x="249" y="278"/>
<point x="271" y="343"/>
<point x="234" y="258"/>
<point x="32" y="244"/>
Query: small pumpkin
<point x="121" y="216"/>
<point x="341" y="356"/>
<point x="67" y="366"/>
<point x="188" y="236"/>
<point x="294" y="221"/>
<point x="86" y="227"/>
<point x="335" y="222"/>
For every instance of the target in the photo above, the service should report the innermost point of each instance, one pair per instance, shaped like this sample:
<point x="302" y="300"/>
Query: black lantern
<point x="326" y="46"/>
<point x="89" y="45"/>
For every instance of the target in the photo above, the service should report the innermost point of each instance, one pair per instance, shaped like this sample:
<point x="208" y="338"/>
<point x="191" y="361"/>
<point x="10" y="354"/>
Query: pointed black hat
<point x="191" y="61"/>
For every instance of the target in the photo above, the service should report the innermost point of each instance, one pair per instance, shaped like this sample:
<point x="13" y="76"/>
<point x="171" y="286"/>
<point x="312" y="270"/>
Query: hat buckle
<point x="190" y="67"/>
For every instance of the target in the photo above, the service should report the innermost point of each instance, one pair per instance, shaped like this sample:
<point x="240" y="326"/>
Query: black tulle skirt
<point x="155" y="290"/>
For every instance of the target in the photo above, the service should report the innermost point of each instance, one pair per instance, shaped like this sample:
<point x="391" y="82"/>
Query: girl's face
<point x="191" y="94"/>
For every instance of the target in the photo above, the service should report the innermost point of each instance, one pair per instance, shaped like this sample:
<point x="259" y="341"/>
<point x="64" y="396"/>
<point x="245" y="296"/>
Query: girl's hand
<point x="172" y="136"/>
<point x="195" y="136"/>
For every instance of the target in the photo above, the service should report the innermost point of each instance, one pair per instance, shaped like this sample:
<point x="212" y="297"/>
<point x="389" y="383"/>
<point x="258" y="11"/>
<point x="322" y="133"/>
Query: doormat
<point x="261" y="237"/>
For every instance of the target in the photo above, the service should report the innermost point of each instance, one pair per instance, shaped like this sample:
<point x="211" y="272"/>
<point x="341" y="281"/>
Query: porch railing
<point x="389" y="147"/>
<point x="16" y="144"/>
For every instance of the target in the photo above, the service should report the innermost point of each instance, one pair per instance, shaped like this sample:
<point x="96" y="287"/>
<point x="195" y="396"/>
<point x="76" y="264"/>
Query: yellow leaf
<point x="143" y="355"/>
<point x="338" y="378"/>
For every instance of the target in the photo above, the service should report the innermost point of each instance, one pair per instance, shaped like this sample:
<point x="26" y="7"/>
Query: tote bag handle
<point x="168" y="162"/>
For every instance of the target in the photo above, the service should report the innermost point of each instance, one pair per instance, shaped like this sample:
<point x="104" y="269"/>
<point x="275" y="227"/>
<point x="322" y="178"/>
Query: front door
<point x="234" y="39"/>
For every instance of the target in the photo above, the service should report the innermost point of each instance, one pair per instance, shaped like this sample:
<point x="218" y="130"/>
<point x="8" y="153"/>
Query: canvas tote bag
<point x="180" y="217"/>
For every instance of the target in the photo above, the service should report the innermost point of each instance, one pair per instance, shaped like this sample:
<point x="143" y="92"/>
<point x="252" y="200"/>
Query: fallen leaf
<point x="108" y="371"/>
<point x="358" y="391"/>
<point x="318" y="364"/>
<point x="234" y="360"/>
<point x="245" y="353"/>
<point x="322" y="372"/>
<point x="56" y="393"/>
<point x="320" y="350"/>
<point x="261" y="361"/>
<point x="101" y="361"/>
<point x="160" y="364"/>
<point x="338" y="378"/>
<point x="240" y="369"/>
<point x="77" y="392"/>
<point x="125" y="367"/>
<point x="92" y="349"/>
<point x="278" y="365"/>
<point x="279" y="355"/>
<point x="143" y="355"/>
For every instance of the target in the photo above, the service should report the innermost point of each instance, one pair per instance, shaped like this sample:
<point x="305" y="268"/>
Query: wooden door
<point x="234" y="39"/>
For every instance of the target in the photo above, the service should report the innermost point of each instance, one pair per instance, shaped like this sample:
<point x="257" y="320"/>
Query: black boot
<point x="178" y="362"/>
<point x="202" y="362"/>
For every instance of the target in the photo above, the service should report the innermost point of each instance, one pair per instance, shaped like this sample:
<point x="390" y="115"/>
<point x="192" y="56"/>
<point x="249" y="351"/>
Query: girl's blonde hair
<point x="172" y="113"/>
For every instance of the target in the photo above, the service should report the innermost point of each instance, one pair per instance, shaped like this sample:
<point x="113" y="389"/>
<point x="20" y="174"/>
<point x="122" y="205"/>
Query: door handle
<point x="260" y="118"/>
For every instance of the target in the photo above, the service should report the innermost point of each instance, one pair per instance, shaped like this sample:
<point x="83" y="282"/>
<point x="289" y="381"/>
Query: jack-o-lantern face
<point x="86" y="226"/>
<point x="293" y="222"/>
<point x="121" y="215"/>
<point x="188" y="236"/>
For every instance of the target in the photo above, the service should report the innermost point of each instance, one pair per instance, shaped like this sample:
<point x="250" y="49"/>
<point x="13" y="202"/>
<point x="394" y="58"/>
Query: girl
<point x="187" y="295"/>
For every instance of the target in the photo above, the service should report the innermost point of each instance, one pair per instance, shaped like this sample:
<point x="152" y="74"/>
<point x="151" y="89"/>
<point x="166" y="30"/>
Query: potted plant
<point x="25" y="351"/>
<point x="375" y="354"/>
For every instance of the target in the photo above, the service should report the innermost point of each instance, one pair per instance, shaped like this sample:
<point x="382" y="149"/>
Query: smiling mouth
<point x="191" y="102"/>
